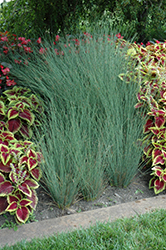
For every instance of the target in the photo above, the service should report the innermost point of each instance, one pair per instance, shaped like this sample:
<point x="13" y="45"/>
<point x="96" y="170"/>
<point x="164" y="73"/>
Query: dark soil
<point x="46" y="208"/>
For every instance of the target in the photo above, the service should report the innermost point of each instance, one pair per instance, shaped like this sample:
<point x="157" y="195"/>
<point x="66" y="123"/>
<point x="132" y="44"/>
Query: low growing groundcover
<point x="147" y="231"/>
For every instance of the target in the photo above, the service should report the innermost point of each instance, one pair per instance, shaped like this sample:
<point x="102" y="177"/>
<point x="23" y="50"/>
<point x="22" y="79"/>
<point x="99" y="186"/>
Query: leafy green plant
<point x="19" y="176"/>
<point x="17" y="108"/>
<point x="150" y="74"/>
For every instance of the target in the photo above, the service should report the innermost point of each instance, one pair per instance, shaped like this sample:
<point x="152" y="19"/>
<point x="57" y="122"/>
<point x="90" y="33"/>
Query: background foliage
<point x="35" y="17"/>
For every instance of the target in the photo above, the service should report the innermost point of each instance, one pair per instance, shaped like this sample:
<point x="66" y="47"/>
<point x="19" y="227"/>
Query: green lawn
<point x="142" y="232"/>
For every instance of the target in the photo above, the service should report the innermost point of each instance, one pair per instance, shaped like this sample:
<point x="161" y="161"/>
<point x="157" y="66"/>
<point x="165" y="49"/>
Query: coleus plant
<point x="18" y="107"/>
<point x="150" y="75"/>
<point x="19" y="176"/>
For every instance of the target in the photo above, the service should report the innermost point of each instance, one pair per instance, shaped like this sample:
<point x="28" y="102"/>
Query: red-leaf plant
<point x="17" y="110"/>
<point x="150" y="74"/>
<point x="19" y="176"/>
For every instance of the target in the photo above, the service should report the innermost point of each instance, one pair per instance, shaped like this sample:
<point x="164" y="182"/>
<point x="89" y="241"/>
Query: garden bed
<point x="111" y="196"/>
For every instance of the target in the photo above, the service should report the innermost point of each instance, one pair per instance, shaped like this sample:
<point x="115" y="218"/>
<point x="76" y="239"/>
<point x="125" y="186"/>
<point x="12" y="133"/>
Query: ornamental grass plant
<point x="90" y="129"/>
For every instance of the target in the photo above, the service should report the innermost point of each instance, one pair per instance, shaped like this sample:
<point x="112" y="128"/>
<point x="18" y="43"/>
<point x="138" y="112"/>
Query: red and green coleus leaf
<point x="156" y="152"/>
<point x="148" y="125"/>
<point x="40" y="157"/>
<point x="27" y="116"/>
<point x="25" y="189"/>
<point x="2" y="125"/>
<point x="5" y="167"/>
<point x="31" y="183"/>
<point x="158" y="160"/>
<point x="3" y="205"/>
<point x="34" y="199"/>
<point x="14" y="125"/>
<point x="159" y="186"/>
<point x="6" y="188"/>
<point x="159" y="121"/>
<point x="13" y="113"/>
<point x="5" y="154"/>
<point x="148" y="151"/>
<point x="26" y="131"/>
<point x="2" y="178"/>
<point x="8" y="135"/>
<point x="2" y="109"/>
<point x="159" y="172"/>
<point x="22" y="214"/>
<point x="20" y="206"/>
<point x="31" y="153"/>
<point x="16" y="91"/>
<point x="36" y="173"/>
<point x="32" y="163"/>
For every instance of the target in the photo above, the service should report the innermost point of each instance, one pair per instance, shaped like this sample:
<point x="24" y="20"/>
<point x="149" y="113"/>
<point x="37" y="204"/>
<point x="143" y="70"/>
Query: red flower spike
<point x="3" y="205"/>
<point x="14" y="125"/>
<point x="6" y="188"/>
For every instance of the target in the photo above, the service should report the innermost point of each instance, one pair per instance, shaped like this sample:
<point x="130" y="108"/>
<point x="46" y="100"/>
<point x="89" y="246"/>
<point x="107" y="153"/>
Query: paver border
<point x="80" y="220"/>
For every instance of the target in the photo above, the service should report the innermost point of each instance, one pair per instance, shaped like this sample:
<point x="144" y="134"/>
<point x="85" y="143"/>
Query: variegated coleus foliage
<point x="150" y="73"/>
<point x="19" y="176"/>
<point x="18" y="107"/>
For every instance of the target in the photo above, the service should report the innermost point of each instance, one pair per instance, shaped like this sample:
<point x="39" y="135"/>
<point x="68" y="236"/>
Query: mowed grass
<point x="146" y="232"/>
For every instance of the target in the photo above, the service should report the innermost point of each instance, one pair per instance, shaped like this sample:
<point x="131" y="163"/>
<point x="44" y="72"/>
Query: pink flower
<point x="19" y="45"/>
<point x="157" y="41"/>
<point x="42" y="51"/>
<point x="119" y="35"/>
<point x="10" y="82"/>
<point x="39" y="40"/>
<point x="28" y="49"/>
<point x="57" y="38"/>
<point x="56" y="51"/>
<point x="148" y="43"/>
<point x="21" y="38"/>
<point x="5" y="71"/>
<point x="25" y="42"/>
<point x="4" y="39"/>
<point x="17" y="61"/>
